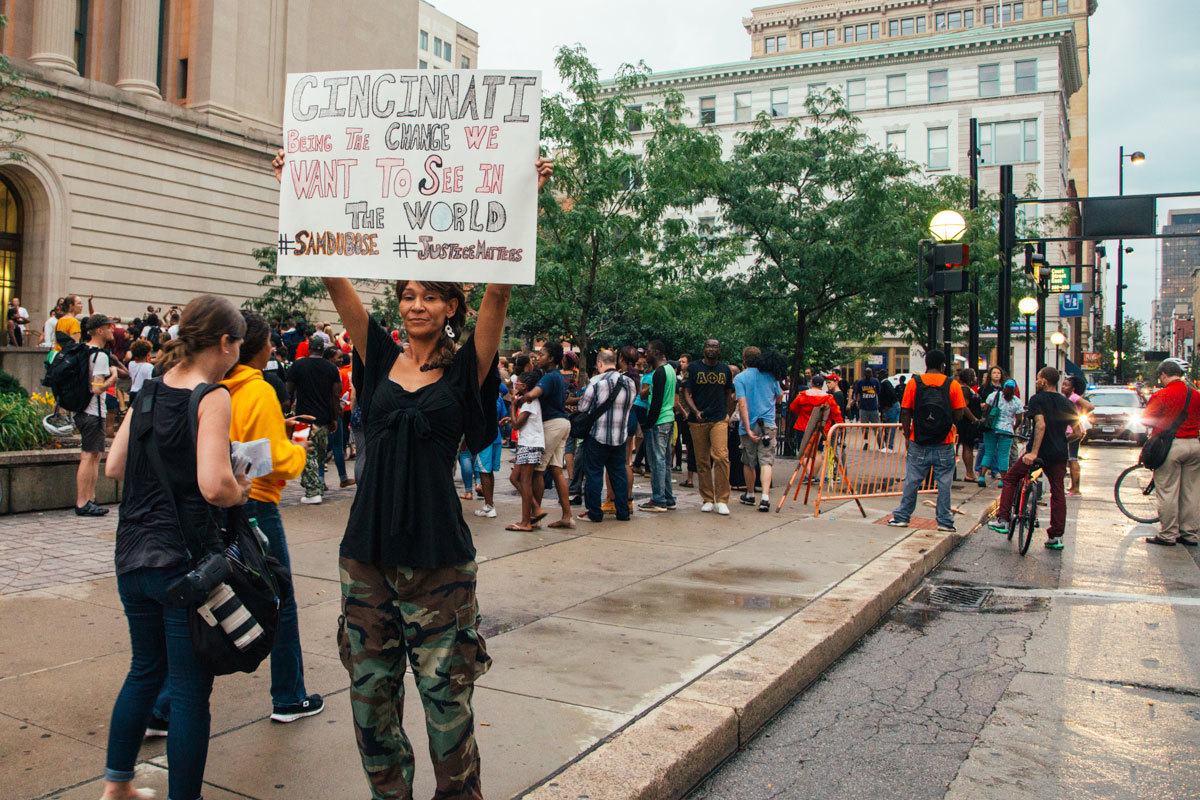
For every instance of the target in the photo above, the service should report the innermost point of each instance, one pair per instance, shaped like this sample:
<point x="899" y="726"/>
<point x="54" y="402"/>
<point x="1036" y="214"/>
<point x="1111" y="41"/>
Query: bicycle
<point x="1134" y="493"/>
<point x="1022" y="518"/>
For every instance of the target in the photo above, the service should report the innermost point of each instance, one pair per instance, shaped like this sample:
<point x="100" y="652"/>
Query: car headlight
<point x="1134" y="424"/>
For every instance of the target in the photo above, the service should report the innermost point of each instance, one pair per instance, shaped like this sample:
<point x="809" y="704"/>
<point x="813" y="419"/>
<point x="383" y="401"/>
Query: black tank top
<point x="148" y="533"/>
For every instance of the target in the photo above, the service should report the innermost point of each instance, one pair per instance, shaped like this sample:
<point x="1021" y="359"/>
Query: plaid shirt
<point x="613" y="426"/>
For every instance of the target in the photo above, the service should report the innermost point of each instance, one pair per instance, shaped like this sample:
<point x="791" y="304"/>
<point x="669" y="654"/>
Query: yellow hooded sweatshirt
<point x="257" y="415"/>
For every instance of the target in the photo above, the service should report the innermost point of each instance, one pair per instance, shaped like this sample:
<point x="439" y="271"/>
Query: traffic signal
<point x="941" y="260"/>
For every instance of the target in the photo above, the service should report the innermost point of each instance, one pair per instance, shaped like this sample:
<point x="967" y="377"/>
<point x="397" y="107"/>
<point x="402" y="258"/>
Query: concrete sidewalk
<point x="638" y="646"/>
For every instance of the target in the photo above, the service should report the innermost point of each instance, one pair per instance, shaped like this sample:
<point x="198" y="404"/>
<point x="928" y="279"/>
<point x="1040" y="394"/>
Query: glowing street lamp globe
<point x="1028" y="306"/>
<point x="947" y="226"/>
<point x="1058" y="339"/>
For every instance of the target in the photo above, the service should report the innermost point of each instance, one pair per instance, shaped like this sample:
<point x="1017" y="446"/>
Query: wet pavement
<point x="588" y="628"/>
<point x="1077" y="675"/>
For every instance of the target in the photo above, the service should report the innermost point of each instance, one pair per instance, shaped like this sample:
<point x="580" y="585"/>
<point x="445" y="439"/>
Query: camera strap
<point x="145" y="407"/>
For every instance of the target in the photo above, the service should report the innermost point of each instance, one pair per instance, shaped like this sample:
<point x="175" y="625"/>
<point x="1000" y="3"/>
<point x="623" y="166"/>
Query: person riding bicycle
<point x="1177" y="481"/>
<point x="1051" y="414"/>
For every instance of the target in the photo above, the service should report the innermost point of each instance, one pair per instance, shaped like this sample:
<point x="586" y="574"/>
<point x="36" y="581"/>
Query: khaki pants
<point x="1177" y="490"/>
<point x="711" y="440"/>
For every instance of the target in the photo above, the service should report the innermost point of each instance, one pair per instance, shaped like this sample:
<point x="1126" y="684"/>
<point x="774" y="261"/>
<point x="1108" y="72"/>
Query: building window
<point x="741" y="107"/>
<point x="861" y="33"/>
<point x="708" y="110"/>
<point x="1052" y="7"/>
<point x="939" y="85"/>
<point x="819" y="39"/>
<point x="81" y="36"/>
<point x="875" y="30"/>
<point x="989" y="15"/>
<point x="805" y="40"/>
<point x="939" y="148"/>
<point x="1027" y="76"/>
<point x="898" y="141"/>
<point x="897" y="90"/>
<point x="1008" y="142"/>
<point x="939" y="21"/>
<point x="10" y="243"/>
<point x="856" y="94"/>
<point x="447" y="51"/>
<point x="633" y="118"/>
<point x="781" y="43"/>
<point x="769" y="45"/>
<point x="989" y="80"/>
<point x="466" y="63"/>
<point x="779" y="102"/>
<point x="424" y="40"/>
<point x="706" y="226"/>
<point x="921" y="22"/>
<point x="893" y="28"/>
<point x="969" y="18"/>
<point x="437" y="46"/>
<point x="422" y="64"/>
<point x="816" y="89"/>
<point x="1010" y="12"/>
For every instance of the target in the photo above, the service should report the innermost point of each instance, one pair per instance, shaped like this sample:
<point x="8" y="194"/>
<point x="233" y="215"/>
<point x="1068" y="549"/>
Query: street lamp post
<point x="947" y="226"/>
<point x="1057" y="339"/>
<point x="1136" y="157"/>
<point x="1028" y="307"/>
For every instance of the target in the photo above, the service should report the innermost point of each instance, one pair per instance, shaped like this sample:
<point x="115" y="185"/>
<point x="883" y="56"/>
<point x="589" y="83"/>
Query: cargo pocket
<point x="343" y="643"/>
<point x="470" y="658"/>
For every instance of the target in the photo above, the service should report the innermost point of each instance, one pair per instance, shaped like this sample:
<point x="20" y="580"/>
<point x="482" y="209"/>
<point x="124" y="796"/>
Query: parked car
<point x="1118" y="415"/>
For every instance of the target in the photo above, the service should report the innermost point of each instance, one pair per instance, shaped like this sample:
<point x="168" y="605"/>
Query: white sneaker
<point x="723" y="509"/>
<point x="886" y="450"/>
<point x="706" y="508"/>
<point x="486" y="511"/>
<point x="315" y="500"/>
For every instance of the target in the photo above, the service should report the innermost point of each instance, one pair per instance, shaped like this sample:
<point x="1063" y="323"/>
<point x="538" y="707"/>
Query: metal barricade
<point x="864" y="460"/>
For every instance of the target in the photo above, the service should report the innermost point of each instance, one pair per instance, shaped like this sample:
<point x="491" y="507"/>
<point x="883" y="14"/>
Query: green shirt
<point x="667" y="414"/>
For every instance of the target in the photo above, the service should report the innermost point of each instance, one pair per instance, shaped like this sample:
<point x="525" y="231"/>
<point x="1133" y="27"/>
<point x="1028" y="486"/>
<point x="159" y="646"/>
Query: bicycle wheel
<point x="1134" y="493"/>
<point x="1028" y="520"/>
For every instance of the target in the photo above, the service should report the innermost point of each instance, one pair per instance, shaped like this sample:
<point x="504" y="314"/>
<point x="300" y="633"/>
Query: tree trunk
<point x="589" y="288"/>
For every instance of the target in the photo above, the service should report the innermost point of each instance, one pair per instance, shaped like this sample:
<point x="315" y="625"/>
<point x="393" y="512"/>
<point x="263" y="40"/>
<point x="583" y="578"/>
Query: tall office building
<point x="1180" y="260"/>
<point x="443" y="42"/>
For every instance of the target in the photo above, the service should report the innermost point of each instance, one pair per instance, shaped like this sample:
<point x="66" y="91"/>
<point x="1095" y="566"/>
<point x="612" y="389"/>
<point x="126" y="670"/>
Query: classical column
<point x="137" y="70"/>
<point x="54" y="34"/>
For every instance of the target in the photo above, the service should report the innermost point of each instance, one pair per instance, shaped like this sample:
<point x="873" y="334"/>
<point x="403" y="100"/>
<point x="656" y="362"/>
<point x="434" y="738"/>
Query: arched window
<point x="10" y="242"/>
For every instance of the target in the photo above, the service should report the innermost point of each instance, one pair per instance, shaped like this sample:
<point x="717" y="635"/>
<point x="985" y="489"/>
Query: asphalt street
<point x="1077" y="676"/>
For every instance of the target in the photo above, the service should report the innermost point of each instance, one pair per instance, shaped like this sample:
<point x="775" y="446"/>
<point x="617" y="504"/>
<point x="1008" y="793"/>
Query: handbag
<point x="582" y="422"/>
<point x="1158" y="447"/>
<point x="233" y="629"/>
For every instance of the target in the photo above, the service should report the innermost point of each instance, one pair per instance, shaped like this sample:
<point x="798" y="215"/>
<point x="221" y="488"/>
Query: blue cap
<point x="1010" y="382"/>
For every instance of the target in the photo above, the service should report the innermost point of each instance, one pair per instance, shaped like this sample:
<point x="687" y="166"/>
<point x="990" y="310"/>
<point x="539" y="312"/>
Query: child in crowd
<point x="531" y="443"/>
<point x="140" y="368"/>
<point x="487" y="463"/>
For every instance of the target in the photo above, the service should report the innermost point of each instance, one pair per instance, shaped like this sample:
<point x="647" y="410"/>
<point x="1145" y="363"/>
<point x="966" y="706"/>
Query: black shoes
<point x="313" y="704"/>
<point x="747" y="499"/>
<point x="90" y="509"/>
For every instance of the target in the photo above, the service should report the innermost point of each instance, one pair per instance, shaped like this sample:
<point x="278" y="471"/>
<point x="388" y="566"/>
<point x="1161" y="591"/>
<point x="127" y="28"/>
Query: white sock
<point x="766" y="498"/>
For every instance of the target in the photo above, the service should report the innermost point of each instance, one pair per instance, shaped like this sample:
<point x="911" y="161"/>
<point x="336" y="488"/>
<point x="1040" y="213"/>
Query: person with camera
<point x="1177" y="479"/>
<point x="407" y="561"/>
<point x="151" y="554"/>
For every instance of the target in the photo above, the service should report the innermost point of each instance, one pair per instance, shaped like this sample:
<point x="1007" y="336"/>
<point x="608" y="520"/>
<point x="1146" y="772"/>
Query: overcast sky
<point x="1144" y="88"/>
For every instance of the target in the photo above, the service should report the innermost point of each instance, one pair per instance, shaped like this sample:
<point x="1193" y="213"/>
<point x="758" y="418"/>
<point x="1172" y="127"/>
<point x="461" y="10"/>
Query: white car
<point x="1118" y="415"/>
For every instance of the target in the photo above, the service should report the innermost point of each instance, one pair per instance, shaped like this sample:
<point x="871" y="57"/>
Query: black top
<point x="710" y="388"/>
<point x="271" y="376"/>
<point x="887" y="395"/>
<point x="148" y="534"/>
<point x="407" y="512"/>
<point x="868" y="393"/>
<point x="1059" y="413"/>
<point x="315" y="378"/>
<point x="554" y="395"/>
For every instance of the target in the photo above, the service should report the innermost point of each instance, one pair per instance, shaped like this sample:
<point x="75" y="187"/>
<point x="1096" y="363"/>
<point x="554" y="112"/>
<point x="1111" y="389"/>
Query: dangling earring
<point x="449" y="330"/>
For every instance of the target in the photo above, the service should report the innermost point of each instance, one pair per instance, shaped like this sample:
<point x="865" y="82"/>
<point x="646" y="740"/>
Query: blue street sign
<point x="1070" y="305"/>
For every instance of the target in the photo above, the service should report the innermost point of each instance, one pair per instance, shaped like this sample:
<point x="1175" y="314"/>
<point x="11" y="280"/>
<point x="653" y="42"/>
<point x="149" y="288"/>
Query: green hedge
<point x="10" y="385"/>
<point x="21" y="423"/>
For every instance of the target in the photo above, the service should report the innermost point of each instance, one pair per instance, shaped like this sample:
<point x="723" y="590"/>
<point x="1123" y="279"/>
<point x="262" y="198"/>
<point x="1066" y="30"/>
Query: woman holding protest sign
<point x="407" y="561"/>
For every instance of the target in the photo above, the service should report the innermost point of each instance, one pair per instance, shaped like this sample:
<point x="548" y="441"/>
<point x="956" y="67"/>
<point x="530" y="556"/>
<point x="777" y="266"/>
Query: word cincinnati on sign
<point x="388" y="171"/>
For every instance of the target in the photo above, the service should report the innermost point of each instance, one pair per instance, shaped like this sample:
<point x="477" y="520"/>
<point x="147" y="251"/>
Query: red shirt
<point x="1164" y="406"/>
<point x="808" y="401"/>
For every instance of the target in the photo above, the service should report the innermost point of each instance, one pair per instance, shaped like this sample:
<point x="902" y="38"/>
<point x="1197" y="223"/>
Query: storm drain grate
<point x="966" y="596"/>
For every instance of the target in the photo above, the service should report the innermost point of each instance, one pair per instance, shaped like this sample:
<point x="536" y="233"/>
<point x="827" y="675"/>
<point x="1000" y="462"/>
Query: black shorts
<point x="91" y="432"/>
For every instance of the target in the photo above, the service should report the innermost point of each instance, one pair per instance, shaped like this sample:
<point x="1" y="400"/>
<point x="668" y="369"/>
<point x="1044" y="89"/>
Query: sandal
<point x="466" y="496"/>
<point x="539" y="517"/>
<point x="687" y="484"/>
<point x="517" y="527"/>
<point x="563" y="523"/>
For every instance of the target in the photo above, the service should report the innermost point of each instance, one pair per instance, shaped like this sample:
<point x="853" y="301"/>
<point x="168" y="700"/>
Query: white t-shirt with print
<point x="100" y="370"/>
<point x="531" y="434"/>
<point x="139" y="373"/>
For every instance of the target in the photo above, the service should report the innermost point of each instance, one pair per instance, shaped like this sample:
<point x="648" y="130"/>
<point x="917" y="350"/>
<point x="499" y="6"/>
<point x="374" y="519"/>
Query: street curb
<point x="665" y="753"/>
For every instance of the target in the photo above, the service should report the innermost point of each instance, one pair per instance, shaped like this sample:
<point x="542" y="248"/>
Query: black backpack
<point x="153" y="336"/>
<point x="887" y="395"/>
<point x="69" y="376"/>
<point x="932" y="415"/>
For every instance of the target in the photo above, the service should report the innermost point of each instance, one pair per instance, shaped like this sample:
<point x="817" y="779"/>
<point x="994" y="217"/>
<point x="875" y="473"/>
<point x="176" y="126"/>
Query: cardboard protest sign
<point x="423" y="175"/>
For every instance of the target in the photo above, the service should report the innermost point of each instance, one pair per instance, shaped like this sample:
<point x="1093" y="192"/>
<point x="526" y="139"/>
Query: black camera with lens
<point x="195" y="587"/>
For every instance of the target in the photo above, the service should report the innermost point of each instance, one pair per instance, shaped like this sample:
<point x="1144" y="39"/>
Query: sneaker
<point x="764" y="505"/>
<point x="486" y="511"/>
<point x="312" y="705"/>
<point x="998" y="525"/>
<point x="671" y="506"/>
<point x="90" y="509"/>
<point x="895" y="523"/>
<point x="886" y="450"/>
<point x="1054" y="543"/>
<point x="706" y="508"/>
<point x="348" y="482"/>
<point x="577" y="500"/>
<point x="723" y="509"/>
<point x="947" y="529"/>
<point x="747" y="499"/>
<point x="315" y="500"/>
<point x="652" y="507"/>
<point x="157" y="729"/>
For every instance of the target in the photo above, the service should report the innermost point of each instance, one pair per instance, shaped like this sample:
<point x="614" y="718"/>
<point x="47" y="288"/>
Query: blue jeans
<point x="466" y="468"/>
<point x="891" y="415"/>
<point x="287" y="662"/>
<point x="337" y="443"/>
<point x="918" y="462"/>
<point x="161" y="642"/>
<point x="596" y="458"/>
<point x="658" y="452"/>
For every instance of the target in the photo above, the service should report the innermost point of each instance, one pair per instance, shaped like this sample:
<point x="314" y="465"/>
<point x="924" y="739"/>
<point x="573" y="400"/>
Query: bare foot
<point x="123" y="790"/>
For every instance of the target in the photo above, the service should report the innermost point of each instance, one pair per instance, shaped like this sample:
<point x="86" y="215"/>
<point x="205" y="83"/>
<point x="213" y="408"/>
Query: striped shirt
<point x="613" y="426"/>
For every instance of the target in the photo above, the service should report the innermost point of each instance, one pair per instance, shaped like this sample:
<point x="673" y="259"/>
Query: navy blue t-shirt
<point x="554" y="395"/>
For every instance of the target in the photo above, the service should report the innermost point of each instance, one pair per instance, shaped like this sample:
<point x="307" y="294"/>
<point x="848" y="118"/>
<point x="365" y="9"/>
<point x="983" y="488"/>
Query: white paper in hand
<point x="256" y="454"/>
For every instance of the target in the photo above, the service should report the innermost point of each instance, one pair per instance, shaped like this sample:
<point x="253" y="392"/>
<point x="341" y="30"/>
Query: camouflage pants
<point x="429" y="616"/>
<point x="313" y="477"/>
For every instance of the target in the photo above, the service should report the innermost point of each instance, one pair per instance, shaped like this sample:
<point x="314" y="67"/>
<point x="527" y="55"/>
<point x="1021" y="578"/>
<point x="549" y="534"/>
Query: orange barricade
<point x="847" y="471"/>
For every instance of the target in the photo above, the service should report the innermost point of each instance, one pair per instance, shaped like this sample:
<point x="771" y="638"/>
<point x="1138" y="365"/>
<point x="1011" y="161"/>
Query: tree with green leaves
<point x="1134" y="342"/>
<point x="285" y="296"/>
<point x="615" y="237"/>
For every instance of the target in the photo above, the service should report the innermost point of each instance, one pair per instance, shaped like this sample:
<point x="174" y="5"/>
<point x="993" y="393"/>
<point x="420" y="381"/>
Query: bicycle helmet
<point x="58" y="425"/>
